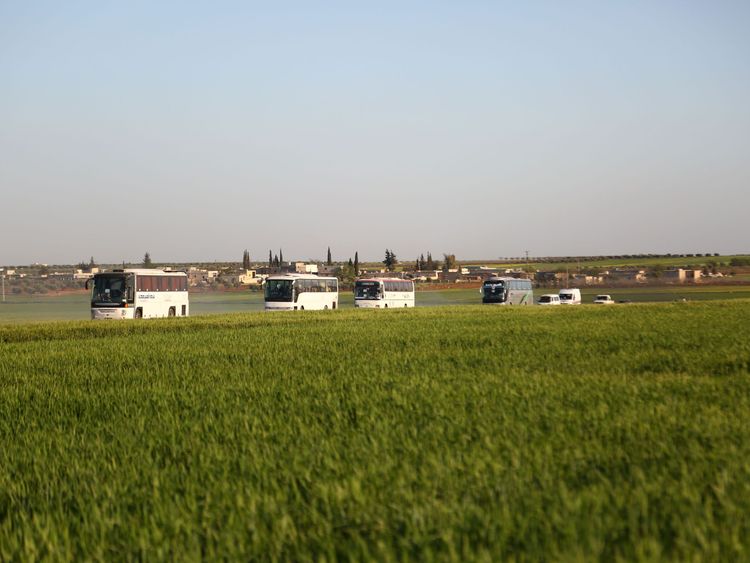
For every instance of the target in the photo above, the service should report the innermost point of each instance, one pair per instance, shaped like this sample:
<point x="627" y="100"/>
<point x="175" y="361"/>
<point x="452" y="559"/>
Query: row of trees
<point x="429" y="264"/>
<point x="82" y="265"/>
<point x="556" y="259"/>
<point x="390" y="261"/>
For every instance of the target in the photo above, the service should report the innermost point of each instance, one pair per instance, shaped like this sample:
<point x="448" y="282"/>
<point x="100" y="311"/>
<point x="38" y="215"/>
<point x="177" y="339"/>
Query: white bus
<point x="136" y="294"/>
<point x="301" y="292"/>
<point x="507" y="291"/>
<point x="383" y="293"/>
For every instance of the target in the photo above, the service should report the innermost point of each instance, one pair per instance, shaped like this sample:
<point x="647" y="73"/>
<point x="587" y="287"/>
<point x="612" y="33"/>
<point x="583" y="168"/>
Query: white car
<point x="604" y="300"/>
<point x="549" y="299"/>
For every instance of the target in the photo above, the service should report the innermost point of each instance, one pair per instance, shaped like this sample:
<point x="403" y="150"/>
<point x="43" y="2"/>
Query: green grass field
<point x="609" y="263"/>
<point x="451" y="433"/>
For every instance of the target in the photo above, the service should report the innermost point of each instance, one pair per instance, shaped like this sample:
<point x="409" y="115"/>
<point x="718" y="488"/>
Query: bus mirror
<point x="86" y="285"/>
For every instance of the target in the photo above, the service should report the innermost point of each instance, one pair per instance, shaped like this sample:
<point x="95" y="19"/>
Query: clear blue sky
<point x="484" y="129"/>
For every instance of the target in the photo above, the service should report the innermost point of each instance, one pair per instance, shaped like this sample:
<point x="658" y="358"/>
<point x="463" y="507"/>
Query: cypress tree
<point x="390" y="259"/>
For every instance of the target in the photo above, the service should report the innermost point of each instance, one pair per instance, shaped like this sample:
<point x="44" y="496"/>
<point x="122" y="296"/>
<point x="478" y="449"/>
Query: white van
<point x="570" y="296"/>
<point x="549" y="299"/>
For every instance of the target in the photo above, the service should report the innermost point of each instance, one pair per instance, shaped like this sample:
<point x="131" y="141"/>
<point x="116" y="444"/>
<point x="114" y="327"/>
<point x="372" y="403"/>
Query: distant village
<point x="43" y="278"/>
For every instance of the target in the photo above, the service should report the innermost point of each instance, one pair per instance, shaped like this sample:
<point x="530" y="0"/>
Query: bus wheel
<point x="302" y="308"/>
<point x="386" y="306"/>
<point x="325" y="307"/>
<point x="405" y="305"/>
<point x="138" y="313"/>
<point x="334" y="305"/>
<point x="171" y="312"/>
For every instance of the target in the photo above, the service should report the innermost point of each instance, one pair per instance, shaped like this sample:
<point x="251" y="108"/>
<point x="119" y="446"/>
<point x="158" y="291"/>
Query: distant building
<point x="680" y="275"/>
<point x="197" y="276"/>
<point x="585" y="279"/>
<point x="326" y="270"/>
<point x="304" y="268"/>
<point x="628" y="275"/>
<point x="247" y="277"/>
<point x="544" y="277"/>
<point x="518" y="274"/>
<point x="424" y="275"/>
<point x="84" y="275"/>
<point x="453" y="275"/>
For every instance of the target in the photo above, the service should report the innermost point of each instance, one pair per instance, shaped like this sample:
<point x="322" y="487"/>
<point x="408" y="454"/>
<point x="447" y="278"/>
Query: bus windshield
<point x="279" y="290"/>
<point x="494" y="288"/>
<point x="367" y="290"/>
<point x="109" y="289"/>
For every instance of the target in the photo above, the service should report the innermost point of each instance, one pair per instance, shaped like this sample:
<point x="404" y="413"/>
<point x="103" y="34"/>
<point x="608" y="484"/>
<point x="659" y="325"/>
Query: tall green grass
<point x="470" y="433"/>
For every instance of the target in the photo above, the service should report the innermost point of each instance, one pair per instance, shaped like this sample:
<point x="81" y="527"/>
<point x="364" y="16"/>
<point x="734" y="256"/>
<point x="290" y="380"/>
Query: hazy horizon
<point x="477" y="129"/>
<point x="312" y="259"/>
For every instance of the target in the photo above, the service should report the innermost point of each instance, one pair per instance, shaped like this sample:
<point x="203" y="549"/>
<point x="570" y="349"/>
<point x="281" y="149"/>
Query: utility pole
<point x="527" y="260"/>
<point x="3" y="285"/>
